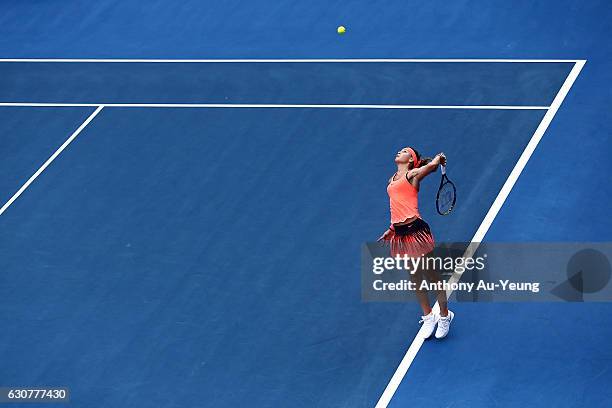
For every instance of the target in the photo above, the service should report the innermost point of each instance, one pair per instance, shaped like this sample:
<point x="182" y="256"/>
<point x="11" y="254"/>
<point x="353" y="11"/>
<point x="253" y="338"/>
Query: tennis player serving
<point x="410" y="235"/>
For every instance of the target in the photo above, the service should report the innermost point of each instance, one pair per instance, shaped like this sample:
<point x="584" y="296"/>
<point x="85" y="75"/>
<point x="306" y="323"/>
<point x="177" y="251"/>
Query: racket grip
<point x="443" y="170"/>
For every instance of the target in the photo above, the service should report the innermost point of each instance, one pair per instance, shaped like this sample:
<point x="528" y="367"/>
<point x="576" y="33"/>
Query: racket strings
<point x="446" y="198"/>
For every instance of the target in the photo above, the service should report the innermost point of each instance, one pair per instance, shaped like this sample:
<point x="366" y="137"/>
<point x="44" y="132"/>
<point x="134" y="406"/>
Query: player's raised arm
<point x="424" y="170"/>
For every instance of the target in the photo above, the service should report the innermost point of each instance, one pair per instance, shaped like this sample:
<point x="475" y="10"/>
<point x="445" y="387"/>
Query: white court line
<point x="50" y="160"/>
<point x="260" y="105"/>
<point x="414" y="348"/>
<point x="360" y="60"/>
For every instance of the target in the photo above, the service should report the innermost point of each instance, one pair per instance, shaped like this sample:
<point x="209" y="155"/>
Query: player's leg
<point x="429" y="318"/>
<point x="446" y="316"/>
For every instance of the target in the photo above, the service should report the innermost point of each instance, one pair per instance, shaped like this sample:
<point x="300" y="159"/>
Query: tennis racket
<point x="447" y="195"/>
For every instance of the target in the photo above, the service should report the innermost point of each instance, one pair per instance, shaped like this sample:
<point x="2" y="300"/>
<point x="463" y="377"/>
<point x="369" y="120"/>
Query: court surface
<point x="188" y="233"/>
<point x="175" y="250"/>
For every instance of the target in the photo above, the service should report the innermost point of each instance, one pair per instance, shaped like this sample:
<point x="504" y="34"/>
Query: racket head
<point x="446" y="197"/>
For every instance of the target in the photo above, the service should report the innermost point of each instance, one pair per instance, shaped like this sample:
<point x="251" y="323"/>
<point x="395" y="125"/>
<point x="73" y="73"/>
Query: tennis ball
<point x="341" y="29"/>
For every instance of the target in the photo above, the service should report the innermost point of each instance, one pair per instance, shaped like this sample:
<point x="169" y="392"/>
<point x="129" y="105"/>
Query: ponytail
<point x="422" y="160"/>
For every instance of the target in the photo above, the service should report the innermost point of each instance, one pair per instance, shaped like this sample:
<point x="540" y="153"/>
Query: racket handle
<point x="443" y="170"/>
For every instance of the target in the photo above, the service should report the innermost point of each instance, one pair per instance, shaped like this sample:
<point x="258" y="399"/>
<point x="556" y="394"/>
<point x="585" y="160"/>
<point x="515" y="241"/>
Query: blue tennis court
<point x="187" y="231"/>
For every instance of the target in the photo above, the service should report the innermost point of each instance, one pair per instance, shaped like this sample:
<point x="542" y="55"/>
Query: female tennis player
<point x="410" y="235"/>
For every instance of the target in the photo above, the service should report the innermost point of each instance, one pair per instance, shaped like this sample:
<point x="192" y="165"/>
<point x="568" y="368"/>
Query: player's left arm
<point x="423" y="171"/>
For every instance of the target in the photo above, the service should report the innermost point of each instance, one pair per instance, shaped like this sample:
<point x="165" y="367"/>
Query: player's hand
<point x="442" y="159"/>
<point x="386" y="236"/>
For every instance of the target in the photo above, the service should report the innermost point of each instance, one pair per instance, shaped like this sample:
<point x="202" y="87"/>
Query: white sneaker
<point x="444" y="325"/>
<point x="429" y="324"/>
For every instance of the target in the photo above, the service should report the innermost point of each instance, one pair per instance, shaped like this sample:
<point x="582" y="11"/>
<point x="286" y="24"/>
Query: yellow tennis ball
<point x="341" y="30"/>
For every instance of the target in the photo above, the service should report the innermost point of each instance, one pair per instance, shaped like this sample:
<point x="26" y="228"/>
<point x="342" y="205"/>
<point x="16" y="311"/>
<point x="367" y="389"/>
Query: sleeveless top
<point x="403" y="200"/>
